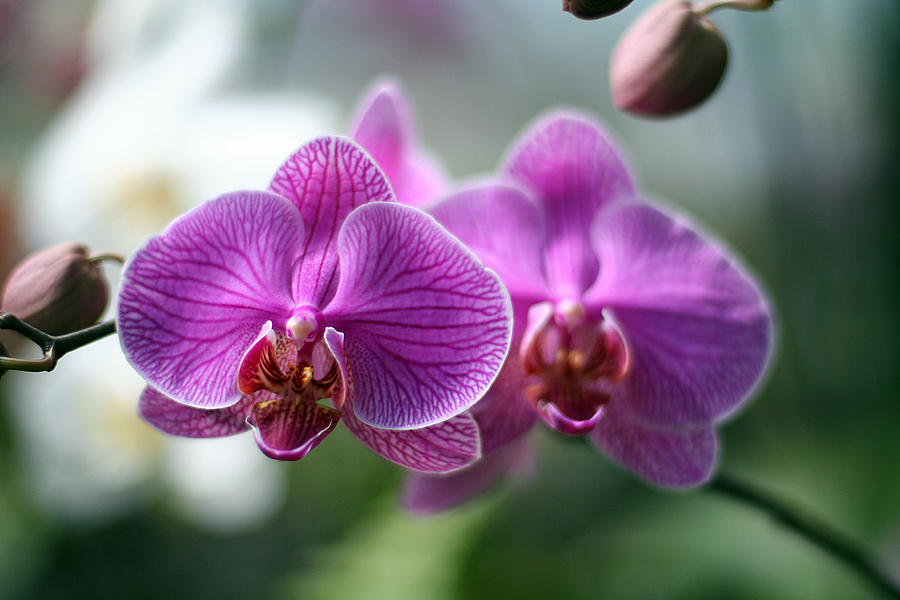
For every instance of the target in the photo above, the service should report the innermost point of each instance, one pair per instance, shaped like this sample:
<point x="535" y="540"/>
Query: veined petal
<point x="697" y="328"/>
<point x="503" y="226"/>
<point x="426" y="326"/>
<point x="574" y="170"/>
<point x="448" y="446"/>
<point x="187" y="421"/>
<point x="427" y="493"/>
<point x="193" y="299"/>
<point x="677" y="458"/>
<point x="385" y="127"/>
<point x="326" y="179"/>
<point x="288" y="429"/>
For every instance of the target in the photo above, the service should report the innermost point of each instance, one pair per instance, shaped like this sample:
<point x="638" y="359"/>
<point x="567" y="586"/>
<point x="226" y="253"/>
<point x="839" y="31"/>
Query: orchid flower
<point x="384" y="125"/>
<point x="253" y="308"/>
<point x="631" y="328"/>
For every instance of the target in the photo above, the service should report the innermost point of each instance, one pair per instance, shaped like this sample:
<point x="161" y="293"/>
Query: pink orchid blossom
<point x="630" y="327"/>
<point x="253" y="309"/>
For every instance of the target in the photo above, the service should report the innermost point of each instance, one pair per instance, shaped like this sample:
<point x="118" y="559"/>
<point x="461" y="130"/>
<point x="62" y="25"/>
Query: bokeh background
<point x="116" y="115"/>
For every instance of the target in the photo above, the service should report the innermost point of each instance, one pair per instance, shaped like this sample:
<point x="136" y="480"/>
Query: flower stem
<point x="112" y="256"/>
<point x="817" y="533"/>
<point x="704" y="9"/>
<point x="53" y="346"/>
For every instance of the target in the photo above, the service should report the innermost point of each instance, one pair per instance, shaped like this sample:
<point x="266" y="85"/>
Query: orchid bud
<point x="670" y="60"/>
<point x="58" y="290"/>
<point x="594" y="9"/>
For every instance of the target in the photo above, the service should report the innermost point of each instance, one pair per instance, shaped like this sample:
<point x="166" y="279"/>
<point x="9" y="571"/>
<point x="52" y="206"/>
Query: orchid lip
<point x="575" y="360"/>
<point x="555" y="418"/>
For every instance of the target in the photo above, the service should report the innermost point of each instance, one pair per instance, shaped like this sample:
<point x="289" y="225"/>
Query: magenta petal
<point x="503" y="226"/>
<point x="386" y="129"/>
<point x="573" y="169"/>
<point x="289" y="429"/>
<point x="445" y="447"/>
<point x="428" y="494"/>
<point x="697" y="328"/>
<point x="426" y="326"/>
<point x="677" y="458"/>
<point x="422" y="182"/>
<point x="504" y="415"/>
<point x="448" y="446"/>
<point x="193" y="299"/>
<point x="384" y="126"/>
<point x="187" y="421"/>
<point x="326" y="179"/>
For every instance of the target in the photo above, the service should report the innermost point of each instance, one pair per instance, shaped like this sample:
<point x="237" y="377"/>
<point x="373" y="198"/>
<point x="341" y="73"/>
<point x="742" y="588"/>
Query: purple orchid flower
<point x="253" y="308"/>
<point x="385" y="127"/>
<point x="629" y="326"/>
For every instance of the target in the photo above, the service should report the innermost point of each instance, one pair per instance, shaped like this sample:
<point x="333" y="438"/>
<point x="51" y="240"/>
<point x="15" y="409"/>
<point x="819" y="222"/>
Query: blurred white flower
<point x="88" y="457"/>
<point x="146" y="137"/>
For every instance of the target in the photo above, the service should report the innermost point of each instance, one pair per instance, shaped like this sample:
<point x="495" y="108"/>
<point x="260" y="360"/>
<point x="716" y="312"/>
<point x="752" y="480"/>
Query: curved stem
<point x="704" y="9"/>
<point x="817" y="533"/>
<point x="54" y="347"/>
<point x="111" y="256"/>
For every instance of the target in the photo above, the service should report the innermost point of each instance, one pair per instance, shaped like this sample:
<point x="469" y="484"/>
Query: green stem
<point x="752" y="5"/>
<point x="53" y="346"/>
<point x="815" y="532"/>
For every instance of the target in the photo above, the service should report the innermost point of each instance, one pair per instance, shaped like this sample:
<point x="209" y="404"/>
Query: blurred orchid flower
<point x="254" y="307"/>
<point x="630" y="327"/>
<point x="384" y="125"/>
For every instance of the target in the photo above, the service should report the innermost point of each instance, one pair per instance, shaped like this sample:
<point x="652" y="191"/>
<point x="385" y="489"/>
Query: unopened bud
<point x="594" y="9"/>
<point x="58" y="289"/>
<point x="670" y="60"/>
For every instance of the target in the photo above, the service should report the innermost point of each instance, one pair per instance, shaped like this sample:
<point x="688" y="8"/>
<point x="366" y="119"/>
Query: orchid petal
<point x="447" y="446"/>
<point x="386" y="129"/>
<point x="187" y="421"/>
<point x="573" y="169"/>
<point x="504" y="415"/>
<point x="697" y="328"/>
<point x="427" y="494"/>
<point x="504" y="227"/>
<point x="426" y="326"/>
<point x="193" y="299"/>
<point x="442" y="448"/>
<point x="326" y="179"/>
<point x="422" y="181"/>
<point x="384" y="126"/>
<point x="677" y="458"/>
<point x="289" y="429"/>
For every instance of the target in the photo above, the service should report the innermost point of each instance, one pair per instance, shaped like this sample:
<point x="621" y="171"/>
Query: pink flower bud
<point x="669" y="60"/>
<point x="58" y="290"/>
<point x="594" y="9"/>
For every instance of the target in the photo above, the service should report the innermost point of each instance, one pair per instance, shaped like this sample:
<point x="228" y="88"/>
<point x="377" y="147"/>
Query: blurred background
<point x="115" y="116"/>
